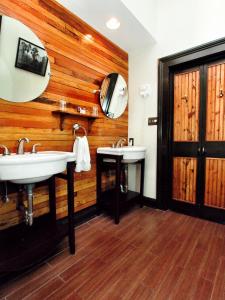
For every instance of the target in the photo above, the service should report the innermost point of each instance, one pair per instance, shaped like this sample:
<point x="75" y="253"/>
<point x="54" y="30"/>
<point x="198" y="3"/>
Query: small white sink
<point x="30" y="168"/>
<point x="130" y="154"/>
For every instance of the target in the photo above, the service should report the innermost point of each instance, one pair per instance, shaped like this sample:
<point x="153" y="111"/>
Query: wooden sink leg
<point x="142" y="183"/>
<point x="117" y="194"/>
<point x="70" y="199"/>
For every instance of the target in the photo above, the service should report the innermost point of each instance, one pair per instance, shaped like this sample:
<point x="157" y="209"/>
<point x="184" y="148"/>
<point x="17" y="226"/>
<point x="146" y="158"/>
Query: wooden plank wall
<point x="184" y="179"/>
<point x="78" y="67"/>
<point x="186" y="106"/>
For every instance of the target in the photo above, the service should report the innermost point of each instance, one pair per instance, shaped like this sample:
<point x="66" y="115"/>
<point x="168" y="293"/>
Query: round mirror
<point x="114" y="95"/>
<point x="24" y="64"/>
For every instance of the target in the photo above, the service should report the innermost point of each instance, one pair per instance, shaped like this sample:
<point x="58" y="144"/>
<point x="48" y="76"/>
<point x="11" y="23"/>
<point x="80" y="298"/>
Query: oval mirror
<point x="114" y="95"/>
<point x="24" y="64"/>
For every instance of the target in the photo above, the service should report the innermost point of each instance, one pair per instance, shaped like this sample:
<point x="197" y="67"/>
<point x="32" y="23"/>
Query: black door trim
<point x="186" y="59"/>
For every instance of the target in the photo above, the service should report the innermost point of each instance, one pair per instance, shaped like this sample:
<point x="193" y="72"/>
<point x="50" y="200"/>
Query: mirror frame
<point x="113" y="89"/>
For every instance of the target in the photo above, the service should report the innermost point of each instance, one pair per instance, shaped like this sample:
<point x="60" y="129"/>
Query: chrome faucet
<point x="20" y="149"/>
<point x="34" y="148"/>
<point x="6" y="150"/>
<point x="120" y="142"/>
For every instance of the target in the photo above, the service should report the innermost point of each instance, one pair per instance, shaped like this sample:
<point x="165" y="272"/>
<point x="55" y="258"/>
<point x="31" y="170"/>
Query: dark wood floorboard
<point x="151" y="254"/>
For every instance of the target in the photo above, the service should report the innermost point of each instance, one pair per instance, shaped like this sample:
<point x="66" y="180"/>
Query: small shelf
<point x="64" y="114"/>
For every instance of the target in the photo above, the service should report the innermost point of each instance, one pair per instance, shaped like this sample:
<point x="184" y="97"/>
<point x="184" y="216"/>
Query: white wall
<point x="142" y="69"/>
<point x="144" y="11"/>
<point x="183" y="24"/>
<point x="180" y="25"/>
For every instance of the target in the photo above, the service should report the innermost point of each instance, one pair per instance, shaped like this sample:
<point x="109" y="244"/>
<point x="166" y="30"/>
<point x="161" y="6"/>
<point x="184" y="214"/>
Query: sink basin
<point x="130" y="154"/>
<point x="31" y="168"/>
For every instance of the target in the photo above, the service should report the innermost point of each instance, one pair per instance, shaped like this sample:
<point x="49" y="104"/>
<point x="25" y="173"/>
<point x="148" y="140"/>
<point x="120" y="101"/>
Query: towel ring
<point x="77" y="127"/>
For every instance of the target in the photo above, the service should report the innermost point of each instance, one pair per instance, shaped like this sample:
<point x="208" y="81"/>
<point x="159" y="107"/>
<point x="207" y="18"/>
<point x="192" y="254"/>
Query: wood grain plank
<point x="184" y="179"/>
<point x="215" y="181"/>
<point x="188" y="261"/>
<point x="186" y="106"/>
<point x="219" y="286"/>
<point x="215" y="103"/>
<point x="78" y="67"/>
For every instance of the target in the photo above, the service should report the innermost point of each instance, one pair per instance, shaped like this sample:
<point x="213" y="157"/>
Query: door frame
<point x="186" y="59"/>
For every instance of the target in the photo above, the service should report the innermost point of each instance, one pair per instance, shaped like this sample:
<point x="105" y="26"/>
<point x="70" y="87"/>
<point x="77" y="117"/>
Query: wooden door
<point x="214" y="137"/>
<point x="198" y="140"/>
<point x="185" y="135"/>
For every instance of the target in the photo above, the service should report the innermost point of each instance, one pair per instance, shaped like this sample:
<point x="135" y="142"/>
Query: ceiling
<point x="130" y="36"/>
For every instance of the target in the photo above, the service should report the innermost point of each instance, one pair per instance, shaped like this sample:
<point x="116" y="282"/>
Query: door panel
<point x="184" y="179"/>
<point x="198" y="145"/>
<point x="186" y="107"/>
<point x="215" y="183"/>
<point x="215" y="121"/>
<point x="185" y="135"/>
<point x="214" y="193"/>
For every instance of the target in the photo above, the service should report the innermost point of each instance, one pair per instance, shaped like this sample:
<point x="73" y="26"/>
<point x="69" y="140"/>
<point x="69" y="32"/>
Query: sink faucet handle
<point x="20" y="149"/>
<point x="123" y="140"/>
<point x="120" y="142"/>
<point x="25" y="139"/>
<point x="34" y="148"/>
<point x="6" y="150"/>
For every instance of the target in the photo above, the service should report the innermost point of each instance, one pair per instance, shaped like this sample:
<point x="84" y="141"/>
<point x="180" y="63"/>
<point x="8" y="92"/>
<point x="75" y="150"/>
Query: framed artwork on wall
<point x="31" y="57"/>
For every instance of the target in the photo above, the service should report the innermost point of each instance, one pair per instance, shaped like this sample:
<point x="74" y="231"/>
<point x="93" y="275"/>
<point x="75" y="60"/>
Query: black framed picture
<point x="31" y="58"/>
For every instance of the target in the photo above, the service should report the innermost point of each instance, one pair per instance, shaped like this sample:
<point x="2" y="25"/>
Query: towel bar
<point x="77" y="126"/>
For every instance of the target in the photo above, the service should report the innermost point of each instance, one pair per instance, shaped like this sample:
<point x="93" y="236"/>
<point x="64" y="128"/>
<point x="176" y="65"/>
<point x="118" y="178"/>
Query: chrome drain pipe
<point x="26" y="210"/>
<point x="29" y="209"/>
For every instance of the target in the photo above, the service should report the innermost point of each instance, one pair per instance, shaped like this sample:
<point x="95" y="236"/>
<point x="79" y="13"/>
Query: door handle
<point x="203" y="150"/>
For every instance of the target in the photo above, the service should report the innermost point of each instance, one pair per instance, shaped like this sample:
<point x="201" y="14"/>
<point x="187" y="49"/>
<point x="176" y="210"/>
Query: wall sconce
<point x="145" y="90"/>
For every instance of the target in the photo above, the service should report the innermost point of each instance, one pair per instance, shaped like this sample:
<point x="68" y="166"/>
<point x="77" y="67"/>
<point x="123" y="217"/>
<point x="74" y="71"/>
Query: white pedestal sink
<point x="130" y="154"/>
<point x="31" y="168"/>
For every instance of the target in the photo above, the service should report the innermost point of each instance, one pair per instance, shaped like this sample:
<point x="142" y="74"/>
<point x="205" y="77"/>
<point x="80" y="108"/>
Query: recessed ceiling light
<point x="88" y="37"/>
<point x="113" y="24"/>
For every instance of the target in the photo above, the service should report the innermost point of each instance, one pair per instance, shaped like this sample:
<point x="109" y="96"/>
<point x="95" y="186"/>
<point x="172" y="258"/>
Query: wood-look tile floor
<point x="151" y="254"/>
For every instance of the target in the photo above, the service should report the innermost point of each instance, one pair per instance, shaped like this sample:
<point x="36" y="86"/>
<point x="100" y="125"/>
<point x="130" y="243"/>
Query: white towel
<point x="82" y="153"/>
